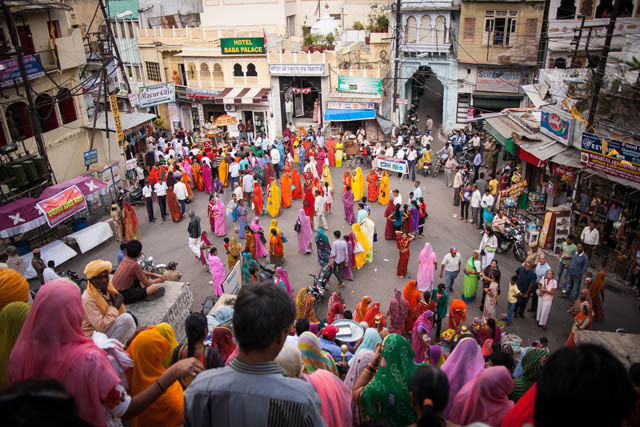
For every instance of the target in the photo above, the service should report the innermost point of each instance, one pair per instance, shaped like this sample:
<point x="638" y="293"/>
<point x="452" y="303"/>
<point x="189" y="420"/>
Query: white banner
<point x="393" y="165"/>
<point x="334" y="105"/>
<point x="233" y="282"/>
<point x="150" y="96"/>
<point x="296" y="70"/>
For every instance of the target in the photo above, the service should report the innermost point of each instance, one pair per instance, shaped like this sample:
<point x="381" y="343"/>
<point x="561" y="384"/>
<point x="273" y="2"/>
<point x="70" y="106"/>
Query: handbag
<point x="284" y="239"/>
<point x="357" y="249"/>
<point x="297" y="226"/>
<point x="375" y="236"/>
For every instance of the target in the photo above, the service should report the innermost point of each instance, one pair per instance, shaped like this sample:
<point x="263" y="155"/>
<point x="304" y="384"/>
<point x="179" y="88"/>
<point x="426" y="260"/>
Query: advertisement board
<point x="334" y="105"/>
<point x="296" y="69"/>
<point x="10" y="73"/>
<point x="622" y="159"/>
<point x="392" y="165"/>
<point x="498" y="81"/>
<point x="242" y="46"/>
<point x="150" y="96"/>
<point x="90" y="157"/>
<point x="557" y="124"/>
<point x="351" y="84"/>
<point x="63" y="205"/>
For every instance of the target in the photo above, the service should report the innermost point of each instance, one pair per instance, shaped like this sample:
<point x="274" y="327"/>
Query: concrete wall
<point x="243" y="12"/>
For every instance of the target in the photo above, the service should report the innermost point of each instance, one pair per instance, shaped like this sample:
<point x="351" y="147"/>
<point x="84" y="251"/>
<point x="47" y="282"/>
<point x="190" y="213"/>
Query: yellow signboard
<point x="113" y="100"/>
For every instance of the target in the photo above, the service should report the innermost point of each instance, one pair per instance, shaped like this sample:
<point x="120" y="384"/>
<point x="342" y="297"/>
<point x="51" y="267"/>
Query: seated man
<point x="132" y="282"/>
<point x="327" y="340"/>
<point x="253" y="390"/>
<point x="103" y="306"/>
<point x="49" y="273"/>
<point x="171" y="273"/>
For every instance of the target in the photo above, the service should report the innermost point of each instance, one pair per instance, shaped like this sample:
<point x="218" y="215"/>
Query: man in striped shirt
<point x="253" y="390"/>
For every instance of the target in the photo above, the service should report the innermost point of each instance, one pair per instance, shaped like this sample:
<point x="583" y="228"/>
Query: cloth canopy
<point x="19" y="217"/>
<point x="91" y="236"/>
<point x="90" y="187"/>
<point x="337" y="115"/>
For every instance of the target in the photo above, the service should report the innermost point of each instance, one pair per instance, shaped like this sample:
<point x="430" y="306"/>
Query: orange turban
<point x="13" y="287"/>
<point x="93" y="269"/>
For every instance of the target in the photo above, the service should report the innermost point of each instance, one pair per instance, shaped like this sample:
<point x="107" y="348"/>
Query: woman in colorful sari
<point x="305" y="306"/>
<point x="258" y="205"/>
<point x="273" y="225"/>
<point x="241" y="215"/>
<point x="116" y="219"/>
<point x="335" y="397"/>
<point x="187" y="182"/>
<point x="250" y="244"/>
<point x="222" y="340"/>
<point x="12" y="318"/>
<point x="283" y="278"/>
<point x="346" y="181"/>
<point x="223" y="172"/>
<point x="426" y="269"/>
<point x="383" y="193"/>
<point x="361" y="308"/>
<point x="596" y="290"/>
<point x="326" y="176"/>
<point x="463" y="365"/>
<point x="323" y="247"/>
<point x="372" y="187"/>
<point x="285" y="188"/>
<point x="361" y="243"/>
<point x="259" y="238"/>
<point x="206" y="177"/>
<point x="374" y="317"/>
<point x="305" y="235"/>
<point x="249" y="266"/>
<point x="219" y="219"/>
<point x="273" y="202"/>
<point x="368" y="229"/>
<point x="167" y="332"/>
<point x="414" y="213"/>
<point x="234" y="253"/>
<point x="174" y="207"/>
<point x="210" y="206"/>
<point x="205" y="245"/>
<point x="308" y="204"/>
<point x="330" y="145"/>
<point x="147" y="350"/>
<point x="532" y="370"/>
<point x="296" y="192"/>
<point x="130" y="222"/>
<point x="348" y="202"/>
<point x="386" y="396"/>
<point x="398" y="312"/>
<point x="472" y="272"/>
<point x="339" y="153"/>
<point x="581" y="322"/>
<point x="350" y="263"/>
<point x="421" y="335"/>
<point x="197" y="176"/>
<point x="313" y="357"/>
<point x="335" y="308"/>
<point x="320" y="161"/>
<point x="217" y="271"/>
<point x="389" y="229"/>
<point x="457" y="314"/>
<point x="217" y="186"/>
<point x="403" y="240"/>
<point x="358" y="184"/>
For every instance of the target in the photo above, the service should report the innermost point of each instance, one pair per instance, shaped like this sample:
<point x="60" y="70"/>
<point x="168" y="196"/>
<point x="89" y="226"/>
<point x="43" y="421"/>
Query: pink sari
<point x="187" y="168"/>
<point x="284" y="278"/>
<point x="203" y="242"/>
<point x="217" y="274"/>
<point x="426" y="268"/>
<point x="218" y="212"/>
<point x="464" y="364"/>
<point x="206" y="177"/>
<point x="335" y="396"/>
<point x="305" y="235"/>
<point x="261" y="248"/>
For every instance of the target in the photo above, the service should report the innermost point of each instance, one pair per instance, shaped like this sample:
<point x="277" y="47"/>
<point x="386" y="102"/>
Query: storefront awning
<point x="495" y="101"/>
<point x="616" y="179"/>
<point x="331" y="115"/>
<point x="127" y="120"/>
<point x="537" y="152"/>
<point x="533" y="95"/>
<point x="569" y="158"/>
<point x="242" y="95"/>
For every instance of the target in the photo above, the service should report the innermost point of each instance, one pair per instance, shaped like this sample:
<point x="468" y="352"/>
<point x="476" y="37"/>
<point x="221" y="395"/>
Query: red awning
<point x="245" y="95"/>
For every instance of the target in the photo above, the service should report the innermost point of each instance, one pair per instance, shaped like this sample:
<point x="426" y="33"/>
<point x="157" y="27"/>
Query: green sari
<point x="387" y="395"/>
<point x="470" y="282"/>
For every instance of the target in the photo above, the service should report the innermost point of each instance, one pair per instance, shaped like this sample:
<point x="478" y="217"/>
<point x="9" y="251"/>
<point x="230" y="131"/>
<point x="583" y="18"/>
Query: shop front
<point x="344" y="116"/>
<point x="496" y="89"/>
<point x="251" y="105"/>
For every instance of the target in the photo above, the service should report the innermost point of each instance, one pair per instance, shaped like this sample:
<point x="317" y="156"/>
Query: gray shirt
<point x="482" y="185"/>
<point x="339" y="251"/>
<point x="243" y="394"/>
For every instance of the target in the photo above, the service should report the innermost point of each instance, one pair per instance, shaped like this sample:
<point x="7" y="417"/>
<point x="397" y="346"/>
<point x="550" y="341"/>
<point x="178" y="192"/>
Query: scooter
<point x="134" y="197"/>
<point x="512" y="239"/>
<point x="318" y="289"/>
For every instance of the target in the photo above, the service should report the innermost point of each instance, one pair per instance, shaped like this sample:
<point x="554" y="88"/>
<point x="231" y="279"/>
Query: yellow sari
<point x="384" y="188"/>
<point x="358" y="184"/>
<point x="167" y="333"/>
<point x="362" y="239"/>
<point x="273" y="203"/>
<point x="326" y="176"/>
<point x="223" y="172"/>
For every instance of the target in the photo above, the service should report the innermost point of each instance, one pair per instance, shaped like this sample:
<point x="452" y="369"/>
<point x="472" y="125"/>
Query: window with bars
<point x="469" y="28"/>
<point x="500" y="28"/>
<point x="153" y="71"/>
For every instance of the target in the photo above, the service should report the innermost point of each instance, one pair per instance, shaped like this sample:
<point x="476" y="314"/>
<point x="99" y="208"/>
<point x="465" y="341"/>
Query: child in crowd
<point x="512" y="298"/>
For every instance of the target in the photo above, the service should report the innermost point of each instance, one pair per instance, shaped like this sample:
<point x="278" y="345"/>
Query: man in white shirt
<point x="147" y="193"/>
<point x="426" y="139"/>
<point x="181" y="194"/>
<point x="318" y="207"/>
<point x="172" y="153"/>
<point x="389" y="151"/>
<point x="247" y="187"/>
<point x="161" y="192"/>
<point x="417" y="191"/>
<point x="49" y="273"/>
<point x="450" y="267"/>
<point x="412" y="155"/>
<point x="237" y="190"/>
<point x="288" y="108"/>
<point x="140" y="175"/>
<point x="487" y="199"/>
<point x="476" y="212"/>
<point x="590" y="238"/>
<point x="457" y="183"/>
<point x="234" y="172"/>
<point x="265" y="144"/>
<point x="257" y="141"/>
<point x="275" y="160"/>
<point x="397" y="197"/>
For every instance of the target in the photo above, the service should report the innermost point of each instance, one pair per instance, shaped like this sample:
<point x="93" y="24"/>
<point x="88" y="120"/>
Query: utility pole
<point x="33" y="113"/>
<point x="544" y="36"/>
<point x="602" y="64"/>
<point x="107" y="20"/>
<point x="396" y="56"/>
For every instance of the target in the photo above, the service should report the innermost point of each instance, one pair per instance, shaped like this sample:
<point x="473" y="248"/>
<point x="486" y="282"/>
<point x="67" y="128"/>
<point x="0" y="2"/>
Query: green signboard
<point x="242" y="46"/>
<point x="351" y="84"/>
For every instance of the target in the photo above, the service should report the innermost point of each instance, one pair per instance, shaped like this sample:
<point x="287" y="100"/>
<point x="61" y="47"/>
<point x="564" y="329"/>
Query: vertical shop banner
<point x="113" y="100"/>
<point x="622" y="159"/>
<point x="62" y="205"/>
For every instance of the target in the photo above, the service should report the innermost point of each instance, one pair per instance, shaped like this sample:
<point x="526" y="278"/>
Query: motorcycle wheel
<point x="519" y="253"/>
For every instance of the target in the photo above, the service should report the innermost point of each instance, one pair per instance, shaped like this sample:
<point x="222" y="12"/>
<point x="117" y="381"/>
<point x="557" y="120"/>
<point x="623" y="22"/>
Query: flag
<point x="575" y="113"/>
<point x="317" y="9"/>
<point x="605" y="145"/>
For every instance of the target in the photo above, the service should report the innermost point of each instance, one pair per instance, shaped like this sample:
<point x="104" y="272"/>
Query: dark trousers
<point x="464" y="210"/>
<point x="438" y="321"/>
<point x="149" y="202"/>
<point x="337" y="271"/>
<point x="476" y="170"/>
<point x="276" y="168"/>
<point x="485" y="285"/>
<point x="456" y="196"/>
<point x="183" y="205"/>
<point x="521" y="305"/>
<point x="412" y="169"/>
<point x="134" y="294"/>
<point x="162" y="202"/>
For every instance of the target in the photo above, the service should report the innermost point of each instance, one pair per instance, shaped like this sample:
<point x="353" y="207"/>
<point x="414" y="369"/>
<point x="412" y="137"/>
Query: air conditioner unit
<point x="229" y="107"/>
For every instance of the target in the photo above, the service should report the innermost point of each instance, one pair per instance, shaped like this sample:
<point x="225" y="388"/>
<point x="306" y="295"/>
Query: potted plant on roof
<point x="382" y="24"/>
<point x="330" y="41"/>
<point x="307" y="42"/>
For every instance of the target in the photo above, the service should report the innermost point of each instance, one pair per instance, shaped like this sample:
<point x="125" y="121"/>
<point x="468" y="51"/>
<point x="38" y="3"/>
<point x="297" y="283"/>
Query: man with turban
<point x="103" y="306"/>
<point x="13" y="287"/>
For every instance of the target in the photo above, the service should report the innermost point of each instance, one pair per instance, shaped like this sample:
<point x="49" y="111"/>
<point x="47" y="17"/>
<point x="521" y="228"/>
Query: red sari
<point x="174" y="207"/>
<point x="330" y="145"/>
<point x="308" y="203"/>
<point x="212" y="222"/>
<point x="258" y="205"/>
<point x="389" y="232"/>
<point x="402" y="243"/>
<point x="372" y="192"/>
<point x="296" y="193"/>
<point x="130" y="221"/>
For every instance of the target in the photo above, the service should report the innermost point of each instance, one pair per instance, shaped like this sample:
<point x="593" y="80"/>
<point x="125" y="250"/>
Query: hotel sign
<point x="242" y="46"/>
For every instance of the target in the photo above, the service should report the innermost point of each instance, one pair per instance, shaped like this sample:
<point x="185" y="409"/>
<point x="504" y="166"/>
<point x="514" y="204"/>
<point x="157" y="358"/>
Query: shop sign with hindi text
<point x="63" y="205"/>
<point x="622" y="159"/>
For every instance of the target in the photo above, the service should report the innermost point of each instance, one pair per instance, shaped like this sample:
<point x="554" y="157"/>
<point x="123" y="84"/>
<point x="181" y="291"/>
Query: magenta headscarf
<point x="313" y="328"/>
<point x="463" y="365"/>
<point x="426" y="268"/>
<point x="255" y="225"/>
<point x="51" y="343"/>
<point x="484" y="399"/>
<point x="419" y="346"/>
<point x="435" y="353"/>
<point x="221" y="225"/>
<point x="305" y="235"/>
<point x="398" y="311"/>
<point x="261" y="248"/>
<point x="335" y="396"/>
<point x="285" y="280"/>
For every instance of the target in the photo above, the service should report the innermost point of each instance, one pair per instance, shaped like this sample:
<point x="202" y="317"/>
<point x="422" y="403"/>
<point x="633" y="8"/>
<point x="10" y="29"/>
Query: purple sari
<point x="415" y="218"/>
<point x="347" y="199"/>
<point x="217" y="186"/>
<point x="426" y="269"/>
<point x="419" y="345"/>
<point x="261" y="248"/>
<point x="187" y="168"/>
<point x="398" y="312"/>
<point x="305" y="235"/>
<point x="464" y="364"/>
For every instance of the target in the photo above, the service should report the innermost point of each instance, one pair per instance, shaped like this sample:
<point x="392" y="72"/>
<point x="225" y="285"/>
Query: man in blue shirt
<point x="578" y="266"/>
<point x="327" y="340"/>
<point x="526" y="284"/>
<point x="121" y="253"/>
<point x="244" y="163"/>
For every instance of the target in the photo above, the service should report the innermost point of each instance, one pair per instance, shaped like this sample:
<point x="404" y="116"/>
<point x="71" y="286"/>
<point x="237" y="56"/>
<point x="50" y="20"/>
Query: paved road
<point x="168" y="241"/>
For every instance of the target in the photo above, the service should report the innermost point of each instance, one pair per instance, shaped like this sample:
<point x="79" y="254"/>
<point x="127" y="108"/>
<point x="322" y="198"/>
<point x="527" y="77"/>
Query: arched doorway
<point x="426" y="93"/>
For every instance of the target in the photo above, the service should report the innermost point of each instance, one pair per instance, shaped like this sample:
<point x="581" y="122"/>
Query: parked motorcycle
<point x="318" y="289"/>
<point x="134" y="197"/>
<point x="512" y="239"/>
<point x="148" y="265"/>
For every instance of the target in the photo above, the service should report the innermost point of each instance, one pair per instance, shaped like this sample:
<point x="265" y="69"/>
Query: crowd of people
<point x="275" y="360"/>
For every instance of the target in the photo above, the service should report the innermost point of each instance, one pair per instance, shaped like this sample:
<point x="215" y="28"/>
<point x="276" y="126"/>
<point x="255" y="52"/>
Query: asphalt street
<point x="168" y="242"/>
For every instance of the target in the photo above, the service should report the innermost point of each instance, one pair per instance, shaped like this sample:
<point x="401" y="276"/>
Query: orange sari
<point x="372" y="191"/>
<point x="187" y="182"/>
<point x="361" y="308"/>
<point x="296" y="193"/>
<point x="412" y="296"/>
<point x="197" y="176"/>
<point x="346" y="180"/>
<point x="285" y="190"/>
<point x="130" y="220"/>
<point x="223" y="172"/>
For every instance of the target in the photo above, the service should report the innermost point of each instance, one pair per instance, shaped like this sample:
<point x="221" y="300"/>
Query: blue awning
<point x="336" y="115"/>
